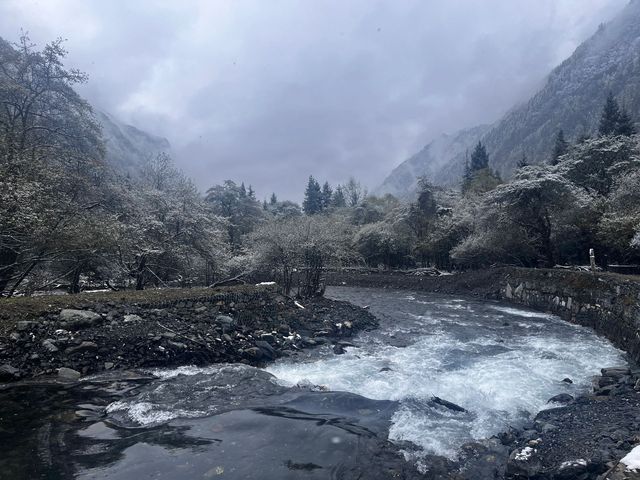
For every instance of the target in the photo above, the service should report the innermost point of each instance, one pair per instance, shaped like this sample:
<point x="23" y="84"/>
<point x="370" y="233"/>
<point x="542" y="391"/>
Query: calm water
<point x="318" y="415"/>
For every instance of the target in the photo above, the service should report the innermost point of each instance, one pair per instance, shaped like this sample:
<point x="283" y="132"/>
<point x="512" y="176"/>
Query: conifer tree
<point x="523" y="162"/>
<point x="625" y="125"/>
<point x="610" y="116"/>
<point x="312" y="203"/>
<point x="338" y="199"/>
<point x="615" y="120"/>
<point x="273" y="200"/>
<point x="327" y="192"/>
<point x="479" y="158"/>
<point x="560" y="147"/>
<point x="251" y="193"/>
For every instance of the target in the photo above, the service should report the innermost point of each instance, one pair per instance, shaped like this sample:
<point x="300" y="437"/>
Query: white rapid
<point x="500" y="363"/>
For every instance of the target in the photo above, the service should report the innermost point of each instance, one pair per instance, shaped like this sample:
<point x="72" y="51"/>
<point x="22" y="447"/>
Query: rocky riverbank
<point x="587" y="437"/>
<point x="584" y="439"/>
<point x="74" y="336"/>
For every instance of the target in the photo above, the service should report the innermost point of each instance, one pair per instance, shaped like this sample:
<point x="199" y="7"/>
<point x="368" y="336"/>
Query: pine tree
<point x="467" y="176"/>
<point x="312" y="203"/>
<point x="610" y="116"/>
<point x="327" y="192"/>
<point x="251" y="193"/>
<point x="523" y="162"/>
<point x="243" y="191"/>
<point x="615" y="120"/>
<point x="479" y="158"/>
<point x="338" y="199"/>
<point x="560" y="147"/>
<point x="625" y="124"/>
<point x="264" y="204"/>
<point x="273" y="200"/>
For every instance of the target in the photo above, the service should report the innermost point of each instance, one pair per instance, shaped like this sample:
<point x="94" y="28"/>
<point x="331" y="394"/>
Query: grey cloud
<point x="271" y="91"/>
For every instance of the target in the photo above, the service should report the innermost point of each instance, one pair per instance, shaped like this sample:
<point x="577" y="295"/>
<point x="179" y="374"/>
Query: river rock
<point x="69" y="373"/>
<point x="79" y="318"/>
<point x="338" y="349"/>
<point x="615" y="372"/>
<point x="447" y="404"/>
<point x="25" y="325"/>
<point x="226" y="322"/>
<point x="621" y="472"/>
<point x="563" y="398"/>
<point x="132" y="318"/>
<point x="50" y="345"/>
<point x="253" y="353"/>
<point x="266" y="349"/>
<point x="523" y="463"/>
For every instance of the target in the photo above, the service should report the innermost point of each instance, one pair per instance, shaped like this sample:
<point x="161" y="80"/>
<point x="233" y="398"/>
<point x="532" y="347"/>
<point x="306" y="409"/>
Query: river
<point x="440" y="371"/>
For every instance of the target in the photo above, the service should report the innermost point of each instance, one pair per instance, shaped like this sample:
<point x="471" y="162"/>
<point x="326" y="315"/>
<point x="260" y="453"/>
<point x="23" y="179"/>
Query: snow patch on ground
<point x="632" y="459"/>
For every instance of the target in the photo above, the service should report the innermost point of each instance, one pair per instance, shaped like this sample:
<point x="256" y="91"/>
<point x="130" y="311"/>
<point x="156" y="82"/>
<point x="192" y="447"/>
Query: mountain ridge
<point x="570" y="99"/>
<point x="127" y="148"/>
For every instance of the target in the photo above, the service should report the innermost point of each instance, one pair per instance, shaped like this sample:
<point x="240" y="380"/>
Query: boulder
<point x="338" y="349"/>
<point x="523" y="463"/>
<point x="572" y="469"/>
<point x="615" y="372"/>
<point x="563" y="398"/>
<point x="266" y="349"/>
<point x="69" y="373"/>
<point x="226" y="322"/>
<point x="445" y="403"/>
<point x="50" y="345"/>
<point x="75" y="319"/>
<point x="26" y="325"/>
<point x="253" y="353"/>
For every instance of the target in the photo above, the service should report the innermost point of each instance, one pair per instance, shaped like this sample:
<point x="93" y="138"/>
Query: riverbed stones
<point x="171" y="335"/>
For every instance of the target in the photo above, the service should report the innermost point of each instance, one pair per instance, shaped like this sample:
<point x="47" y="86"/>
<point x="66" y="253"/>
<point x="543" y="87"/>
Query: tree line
<point x="69" y="218"/>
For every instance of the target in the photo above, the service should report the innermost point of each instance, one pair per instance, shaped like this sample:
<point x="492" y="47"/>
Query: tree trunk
<point x="75" y="279"/>
<point x="8" y="258"/>
<point x="140" y="273"/>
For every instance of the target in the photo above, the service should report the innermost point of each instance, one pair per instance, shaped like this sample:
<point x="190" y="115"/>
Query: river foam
<point x="499" y="363"/>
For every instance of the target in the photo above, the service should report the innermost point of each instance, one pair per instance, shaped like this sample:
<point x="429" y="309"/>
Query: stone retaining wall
<point x="608" y="303"/>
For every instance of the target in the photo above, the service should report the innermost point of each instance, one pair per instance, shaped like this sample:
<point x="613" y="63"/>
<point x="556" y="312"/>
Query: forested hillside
<point x="570" y="101"/>
<point x="72" y="217"/>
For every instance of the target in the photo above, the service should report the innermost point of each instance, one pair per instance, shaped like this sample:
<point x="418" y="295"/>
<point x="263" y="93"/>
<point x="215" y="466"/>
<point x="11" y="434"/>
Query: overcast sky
<point x="270" y="91"/>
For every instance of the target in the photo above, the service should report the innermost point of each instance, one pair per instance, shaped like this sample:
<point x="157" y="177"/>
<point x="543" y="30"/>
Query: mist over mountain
<point x="571" y="100"/>
<point x="127" y="147"/>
